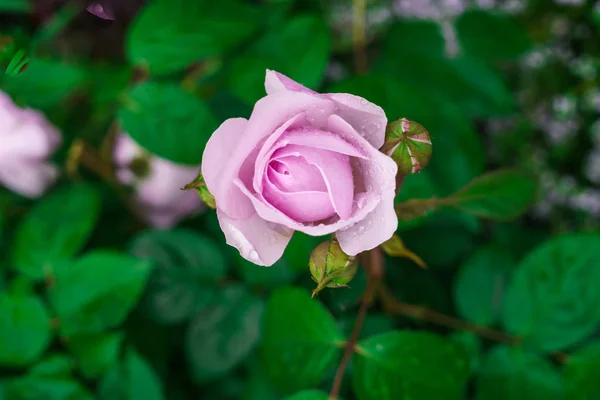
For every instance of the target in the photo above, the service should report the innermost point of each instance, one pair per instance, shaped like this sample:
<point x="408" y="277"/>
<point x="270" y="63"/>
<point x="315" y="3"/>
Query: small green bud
<point x="409" y="144"/>
<point x="330" y="266"/>
<point x="200" y="186"/>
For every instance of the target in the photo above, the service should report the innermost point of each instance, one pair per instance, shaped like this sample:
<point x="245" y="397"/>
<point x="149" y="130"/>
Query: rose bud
<point x="330" y="266"/>
<point x="156" y="183"/>
<point x="409" y="144"/>
<point x="305" y="162"/>
<point x="27" y="140"/>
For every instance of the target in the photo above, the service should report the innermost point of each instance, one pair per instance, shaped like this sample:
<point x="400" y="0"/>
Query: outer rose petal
<point x="30" y="179"/>
<point x="269" y="113"/>
<point x="276" y="82"/>
<point x="374" y="229"/>
<point x="365" y="117"/>
<point x="380" y="224"/>
<point x="218" y="150"/>
<point x="258" y="241"/>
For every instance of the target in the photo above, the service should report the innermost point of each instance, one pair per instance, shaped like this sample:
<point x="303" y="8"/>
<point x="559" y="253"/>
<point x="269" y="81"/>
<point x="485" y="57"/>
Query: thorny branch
<point x="373" y="264"/>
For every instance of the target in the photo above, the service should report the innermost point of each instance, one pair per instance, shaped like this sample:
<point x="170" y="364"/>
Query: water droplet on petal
<point x="254" y="255"/>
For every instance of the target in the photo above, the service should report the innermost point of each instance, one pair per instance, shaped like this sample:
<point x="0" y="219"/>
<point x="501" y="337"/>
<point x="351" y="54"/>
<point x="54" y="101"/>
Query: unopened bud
<point x="200" y="186"/>
<point x="409" y="144"/>
<point x="330" y="266"/>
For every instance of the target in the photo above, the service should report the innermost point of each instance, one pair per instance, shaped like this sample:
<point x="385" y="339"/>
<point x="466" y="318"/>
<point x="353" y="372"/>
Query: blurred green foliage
<point x="96" y="305"/>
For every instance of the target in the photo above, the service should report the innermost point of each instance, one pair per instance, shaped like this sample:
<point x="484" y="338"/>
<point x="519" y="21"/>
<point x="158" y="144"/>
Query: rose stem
<point x="359" y="37"/>
<point x="373" y="264"/>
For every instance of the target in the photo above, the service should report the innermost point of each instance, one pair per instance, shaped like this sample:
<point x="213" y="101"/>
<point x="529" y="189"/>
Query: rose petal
<point x="276" y="82"/>
<point x="30" y="179"/>
<point x="364" y="203"/>
<point x="300" y="206"/>
<point x="267" y="149"/>
<point x="257" y="240"/>
<point x="380" y="178"/>
<point x="374" y="229"/>
<point x="269" y="113"/>
<point x="219" y="148"/>
<point x="336" y="171"/>
<point x="295" y="174"/>
<point x="310" y="137"/>
<point x="365" y="117"/>
<point x="323" y="140"/>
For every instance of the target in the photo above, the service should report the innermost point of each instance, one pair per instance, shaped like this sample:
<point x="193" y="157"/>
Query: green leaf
<point x="346" y="299"/>
<point x="405" y="364"/>
<point x="53" y="366"/>
<point x="297" y="252"/>
<point x="259" y="386"/>
<point x="301" y="343"/>
<point x="374" y="324"/>
<point x="472" y="345"/>
<point x="97" y="291"/>
<point x="480" y="282"/>
<point x="281" y="273"/>
<point x="48" y="388"/>
<point x="45" y="83"/>
<point x="224" y="333"/>
<point x="185" y="262"/>
<point x="450" y="233"/>
<point x="414" y="51"/>
<point x="552" y="300"/>
<point x="309" y="395"/>
<point x="132" y="379"/>
<point x="580" y="374"/>
<point x="25" y="330"/>
<point x="510" y="373"/>
<point x="168" y="121"/>
<point x="277" y="50"/>
<point x="55" y="229"/>
<point x="169" y="35"/>
<point x="15" y="6"/>
<point x="491" y="36"/>
<point x="96" y="353"/>
<point x="488" y="95"/>
<point x="400" y="38"/>
<point x="50" y="379"/>
<point x="499" y="195"/>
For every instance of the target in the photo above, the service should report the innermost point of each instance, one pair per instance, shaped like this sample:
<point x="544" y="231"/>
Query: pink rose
<point x="27" y="140"/>
<point x="305" y="162"/>
<point x="156" y="183"/>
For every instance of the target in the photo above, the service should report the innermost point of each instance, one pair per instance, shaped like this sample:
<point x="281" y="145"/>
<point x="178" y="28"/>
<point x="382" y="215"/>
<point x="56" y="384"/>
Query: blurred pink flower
<point x="27" y="140"/>
<point x="305" y="162"/>
<point x="101" y="10"/>
<point x="156" y="183"/>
